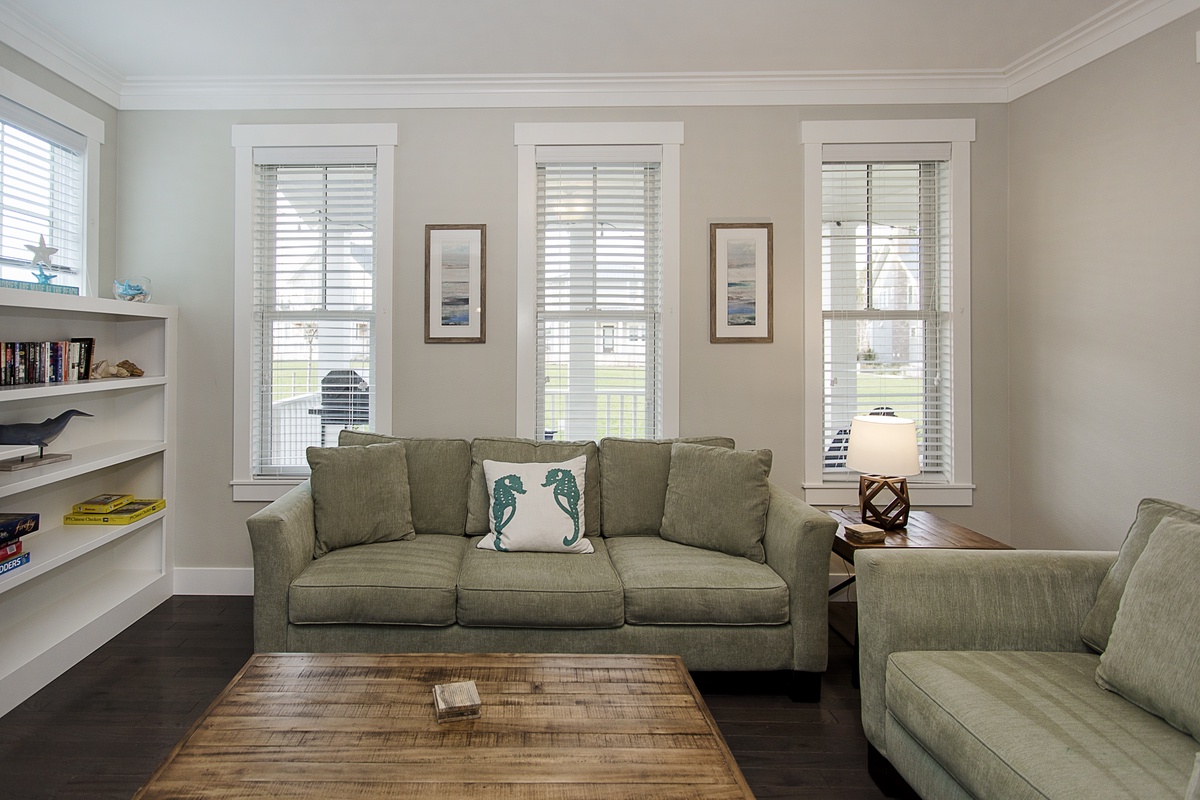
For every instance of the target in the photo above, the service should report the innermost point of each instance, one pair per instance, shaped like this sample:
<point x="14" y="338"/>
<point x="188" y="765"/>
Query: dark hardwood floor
<point x="101" y="729"/>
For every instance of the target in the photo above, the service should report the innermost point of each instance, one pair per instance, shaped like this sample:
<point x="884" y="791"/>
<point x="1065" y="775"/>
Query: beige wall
<point x="176" y="212"/>
<point x="168" y="214"/>
<point x="1104" y="280"/>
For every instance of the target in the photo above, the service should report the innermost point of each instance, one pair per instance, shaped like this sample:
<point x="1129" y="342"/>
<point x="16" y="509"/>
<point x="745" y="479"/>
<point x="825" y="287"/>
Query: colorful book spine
<point x="102" y="503"/>
<point x="13" y="563"/>
<point x="130" y="512"/>
<point x="46" y="362"/>
<point x="14" y="526"/>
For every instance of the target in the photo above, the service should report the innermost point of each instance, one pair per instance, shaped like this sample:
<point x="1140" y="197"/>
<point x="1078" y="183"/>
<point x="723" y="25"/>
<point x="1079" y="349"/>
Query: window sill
<point x="845" y="494"/>
<point x="251" y="491"/>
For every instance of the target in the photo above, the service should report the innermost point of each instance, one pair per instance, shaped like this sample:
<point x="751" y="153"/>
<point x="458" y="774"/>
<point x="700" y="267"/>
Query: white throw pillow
<point x="536" y="507"/>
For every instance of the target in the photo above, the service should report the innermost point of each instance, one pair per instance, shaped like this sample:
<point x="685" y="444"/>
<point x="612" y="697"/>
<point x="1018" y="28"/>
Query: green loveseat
<point x="979" y="669"/>
<point x="637" y="593"/>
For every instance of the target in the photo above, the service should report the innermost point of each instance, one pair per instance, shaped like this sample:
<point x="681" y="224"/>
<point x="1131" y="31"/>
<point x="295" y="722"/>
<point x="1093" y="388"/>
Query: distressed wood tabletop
<point x="363" y="726"/>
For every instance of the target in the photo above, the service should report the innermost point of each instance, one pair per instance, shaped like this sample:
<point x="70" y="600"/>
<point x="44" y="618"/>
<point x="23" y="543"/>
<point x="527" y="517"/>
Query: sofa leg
<point x="889" y="781"/>
<point x="805" y="687"/>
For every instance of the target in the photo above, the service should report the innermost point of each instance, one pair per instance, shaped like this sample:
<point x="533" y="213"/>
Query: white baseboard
<point x="205" y="580"/>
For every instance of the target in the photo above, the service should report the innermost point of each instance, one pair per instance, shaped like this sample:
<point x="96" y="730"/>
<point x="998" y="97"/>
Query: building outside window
<point x="598" y="266"/>
<point x="313" y="326"/>
<point x="890" y="299"/>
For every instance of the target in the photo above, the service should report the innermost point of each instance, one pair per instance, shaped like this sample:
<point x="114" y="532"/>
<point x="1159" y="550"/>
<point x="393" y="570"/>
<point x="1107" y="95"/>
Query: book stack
<point x="46" y="362"/>
<point x="456" y="701"/>
<point x="113" y="509"/>
<point x="12" y="550"/>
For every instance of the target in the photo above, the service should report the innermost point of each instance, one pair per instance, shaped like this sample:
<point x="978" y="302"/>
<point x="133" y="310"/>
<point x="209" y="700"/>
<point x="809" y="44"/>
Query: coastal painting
<point x="740" y="282"/>
<point x="455" y="283"/>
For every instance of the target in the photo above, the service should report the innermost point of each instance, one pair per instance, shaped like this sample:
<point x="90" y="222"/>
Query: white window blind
<point x="314" y="228"/>
<point x="599" y="339"/>
<point x="887" y="297"/>
<point x="41" y="194"/>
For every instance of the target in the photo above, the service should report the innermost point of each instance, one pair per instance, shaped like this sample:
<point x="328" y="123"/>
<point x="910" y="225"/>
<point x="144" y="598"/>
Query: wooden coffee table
<point x="362" y="726"/>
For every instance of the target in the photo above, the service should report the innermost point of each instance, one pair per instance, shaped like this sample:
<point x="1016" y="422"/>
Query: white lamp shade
<point x="882" y="445"/>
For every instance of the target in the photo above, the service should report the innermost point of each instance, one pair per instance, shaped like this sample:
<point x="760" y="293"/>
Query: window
<point x="314" y="255"/>
<point x="888" y="297"/>
<point x="47" y="178"/>
<point x="598" y="281"/>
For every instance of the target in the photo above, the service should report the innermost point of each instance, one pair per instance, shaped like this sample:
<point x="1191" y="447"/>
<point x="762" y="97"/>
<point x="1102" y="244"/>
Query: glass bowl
<point x="134" y="288"/>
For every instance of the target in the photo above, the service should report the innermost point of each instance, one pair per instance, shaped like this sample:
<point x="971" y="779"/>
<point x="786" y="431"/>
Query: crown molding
<point x="1097" y="37"/>
<point x="551" y="91"/>
<point x="31" y="37"/>
<point x="1119" y="25"/>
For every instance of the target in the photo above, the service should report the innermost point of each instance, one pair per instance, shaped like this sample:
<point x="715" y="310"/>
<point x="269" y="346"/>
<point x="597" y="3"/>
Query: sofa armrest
<point x="282" y="537"/>
<point x="967" y="600"/>
<point x="798" y="541"/>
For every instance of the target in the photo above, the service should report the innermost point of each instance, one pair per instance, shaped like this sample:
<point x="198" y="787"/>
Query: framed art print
<point x="455" y="283"/>
<point x="741" y="274"/>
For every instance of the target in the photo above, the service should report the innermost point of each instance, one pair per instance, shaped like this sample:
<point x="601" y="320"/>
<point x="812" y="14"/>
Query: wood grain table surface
<point x="924" y="530"/>
<point x="299" y="725"/>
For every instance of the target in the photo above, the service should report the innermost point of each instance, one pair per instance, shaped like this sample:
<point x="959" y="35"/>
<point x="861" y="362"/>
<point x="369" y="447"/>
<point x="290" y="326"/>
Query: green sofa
<point x="637" y="593"/>
<point x="981" y="671"/>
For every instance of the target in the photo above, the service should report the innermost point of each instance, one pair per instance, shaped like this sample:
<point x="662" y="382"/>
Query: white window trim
<point x="813" y="136"/>
<point x="527" y="136"/>
<point x="53" y="107"/>
<point x="383" y="136"/>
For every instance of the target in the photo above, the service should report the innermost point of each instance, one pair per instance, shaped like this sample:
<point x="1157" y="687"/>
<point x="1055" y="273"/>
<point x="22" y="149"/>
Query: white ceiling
<point x="306" y="53"/>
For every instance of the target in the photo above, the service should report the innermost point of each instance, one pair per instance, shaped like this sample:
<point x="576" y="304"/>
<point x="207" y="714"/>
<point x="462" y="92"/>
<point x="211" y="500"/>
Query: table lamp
<point x="883" y="448"/>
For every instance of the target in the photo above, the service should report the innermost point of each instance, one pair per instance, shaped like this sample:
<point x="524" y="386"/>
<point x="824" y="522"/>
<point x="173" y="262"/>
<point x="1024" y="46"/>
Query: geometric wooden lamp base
<point x="895" y="514"/>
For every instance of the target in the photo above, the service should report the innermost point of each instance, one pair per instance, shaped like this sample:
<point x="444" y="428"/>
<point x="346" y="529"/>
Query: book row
<point x="46" y="362"/>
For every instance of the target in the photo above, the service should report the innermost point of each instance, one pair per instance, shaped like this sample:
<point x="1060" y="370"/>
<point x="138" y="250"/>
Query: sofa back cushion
<point x="360" y="495"/>
<point x="526" y="451"/>
<point x="633" y="482"/>
<point x="1097" y="625"/>
<point x="1153" y="653"/>
<point x="438" y="473"/>
<point x="718" y="499"/>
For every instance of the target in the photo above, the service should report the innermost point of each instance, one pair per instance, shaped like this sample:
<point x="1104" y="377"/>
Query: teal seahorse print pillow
<point x="535" y="507"/>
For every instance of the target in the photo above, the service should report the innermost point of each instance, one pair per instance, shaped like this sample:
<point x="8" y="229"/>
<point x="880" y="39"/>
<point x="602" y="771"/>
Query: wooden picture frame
<point x="455" y="284"/>
<point x="741" y="281"/>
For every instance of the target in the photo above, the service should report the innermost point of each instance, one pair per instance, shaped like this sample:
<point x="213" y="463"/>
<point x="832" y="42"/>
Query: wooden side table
<point x="924" y="531"/>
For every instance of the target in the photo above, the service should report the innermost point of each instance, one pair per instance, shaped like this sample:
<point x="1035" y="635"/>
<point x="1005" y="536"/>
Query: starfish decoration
<point x="41" y="253"/>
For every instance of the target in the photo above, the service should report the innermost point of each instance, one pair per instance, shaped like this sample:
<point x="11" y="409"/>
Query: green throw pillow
<point x="360" y="495"/>
<point x="439" y="471"/>
<point x="718" y="499"/>
<point x="1153" y="654"/>
<point x="633" y="482"/>
<point x="1097" y="625"/>
<point x="536" y="507"/>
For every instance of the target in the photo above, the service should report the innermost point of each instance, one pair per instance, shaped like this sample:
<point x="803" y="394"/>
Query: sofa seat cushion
<point x="539" y="590"/>
<point x="674" y="584"/>
<point x="389" y="583"/>
<point x="1034" y="725"/>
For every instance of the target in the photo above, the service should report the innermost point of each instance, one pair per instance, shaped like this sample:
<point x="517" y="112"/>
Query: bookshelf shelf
<point x="85" y="583"/>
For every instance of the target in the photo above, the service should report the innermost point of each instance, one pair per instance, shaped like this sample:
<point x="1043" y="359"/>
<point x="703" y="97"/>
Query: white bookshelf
<point x="86" y="583"/>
